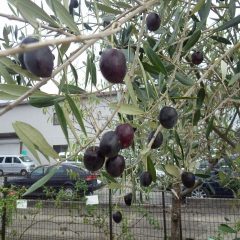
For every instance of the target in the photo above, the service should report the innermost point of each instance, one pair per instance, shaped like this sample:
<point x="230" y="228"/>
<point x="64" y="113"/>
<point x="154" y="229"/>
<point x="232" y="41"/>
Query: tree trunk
<point x="176" y="214"/>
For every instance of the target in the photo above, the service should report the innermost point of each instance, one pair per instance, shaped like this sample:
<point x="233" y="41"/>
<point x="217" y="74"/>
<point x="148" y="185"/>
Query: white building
<point x="96" y="112"/>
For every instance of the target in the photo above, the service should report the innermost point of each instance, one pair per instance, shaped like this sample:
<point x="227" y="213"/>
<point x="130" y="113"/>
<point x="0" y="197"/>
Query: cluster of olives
<point x="110" y="145"/>
<point x="38" y="61"/>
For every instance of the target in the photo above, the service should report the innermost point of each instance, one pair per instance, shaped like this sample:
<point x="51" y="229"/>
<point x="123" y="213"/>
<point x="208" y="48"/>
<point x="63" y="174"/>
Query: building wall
<point x="35" y="117"/>
<point x="96" y="113"/>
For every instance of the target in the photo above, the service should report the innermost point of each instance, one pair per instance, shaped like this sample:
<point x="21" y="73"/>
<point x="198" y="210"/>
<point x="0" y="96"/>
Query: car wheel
<point x="1" y="172"/>
<point x="200" y="192"/>
<point x="23" y="172"/>
<point x="69" y="192"/>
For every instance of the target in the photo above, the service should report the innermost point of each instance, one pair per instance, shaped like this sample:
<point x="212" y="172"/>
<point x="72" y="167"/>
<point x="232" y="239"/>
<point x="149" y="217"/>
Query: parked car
<point x="211" y="186"/>
<point x="66" y="179"/>
<point x="16" y="164"/>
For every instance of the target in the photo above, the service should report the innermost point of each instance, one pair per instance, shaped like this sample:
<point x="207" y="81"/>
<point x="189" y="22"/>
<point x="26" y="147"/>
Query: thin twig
<point x="79" y="38"/>
<point x="15" y="18"/>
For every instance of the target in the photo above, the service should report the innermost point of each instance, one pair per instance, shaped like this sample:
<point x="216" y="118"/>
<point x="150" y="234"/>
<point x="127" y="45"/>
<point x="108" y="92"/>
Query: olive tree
<point x="154" y="53"/>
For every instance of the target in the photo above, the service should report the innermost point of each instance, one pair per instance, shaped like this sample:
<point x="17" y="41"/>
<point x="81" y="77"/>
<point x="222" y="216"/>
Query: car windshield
<point x="26" y="159"/>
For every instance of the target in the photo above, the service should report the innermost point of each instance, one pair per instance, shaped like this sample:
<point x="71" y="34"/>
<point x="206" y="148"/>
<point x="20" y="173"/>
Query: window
<point x="1" y="159"/>
<point x="60" y="148"/>
<point x="55" y="119"/>
<point x="8" y="160"/>
<point x="38" y="172"/>
<point x="16" y="160"/>
<point x="26" y="159"/>
<point x="60" y="172"/>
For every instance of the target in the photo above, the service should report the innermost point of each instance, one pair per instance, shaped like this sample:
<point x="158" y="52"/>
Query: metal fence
<point x="150" y="219"/>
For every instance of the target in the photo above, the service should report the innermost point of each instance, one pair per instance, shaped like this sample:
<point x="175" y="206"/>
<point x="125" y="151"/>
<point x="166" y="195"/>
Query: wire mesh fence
<point x="149" y="218"/>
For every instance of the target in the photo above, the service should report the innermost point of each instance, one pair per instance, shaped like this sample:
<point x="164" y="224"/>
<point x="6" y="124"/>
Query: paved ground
<point x="200" y="219"/>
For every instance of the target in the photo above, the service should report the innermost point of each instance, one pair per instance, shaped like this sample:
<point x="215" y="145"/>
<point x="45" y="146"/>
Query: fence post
<point x="4" y="211"/>
<point x="164" y="216"/>
<point x="110" y="213"/>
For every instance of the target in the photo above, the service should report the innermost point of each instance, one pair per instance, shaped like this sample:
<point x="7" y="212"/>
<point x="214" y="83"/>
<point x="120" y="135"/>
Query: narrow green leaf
<point x="63" y="15"/>
<point x="231" y="23"/>
<point x="184" y="79"/>
<point x="224" y="68"/>
<point x="122" y="4"/>
<point x="126" y="35"/>
<point x="196" y="117"/>
<point x="209" y="127"/>
<point x="32" y="11"/>
<point x="173" y="170"/>
<point x="107" y="9"/>
<point x="221" y="39"/>
<point x="177" y="16"/>
<point x="151" y="169"/>
<point x="18" y="90"/>
<point x="226" y="229"/>
<point x="154" y="59"/>
<point x="180" y="97"/>
<point x="5" y="74"/>
<point x="200" y="98"/>
<point x="204" y="13"/>
<point x="108" y="177"/>
<point x="151" y="42"/>
<point x="6" y="96"/>
<point x="36" y="138"/>
<point x="150" y="68"/>
<point x="87" y="69"/>
<point x="127" y="109"/>
<point x="62" y="120"/>
<point x="93" y="73"/>
<point x="26" y="141"/>
<point x="178" y="141"/>
<point x="232" y="8"/>
<point x="192" y="40"/>
<point x="62" y="51"/>
<point x="41" y="181"/>
<point x="74" y="72"/>
<point x="64" y="47"/>
<point x="129" y="85"/>
<point x="198" y="6"/>
<point x="71" y="89"/>
<point x="201" y="175"/>
<point x="235" y="78"/>
<point x="77" y="113"/>
<point x="45" y="101"/>
<point x="7" y="62"/>
<point x="175" y="156"/>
